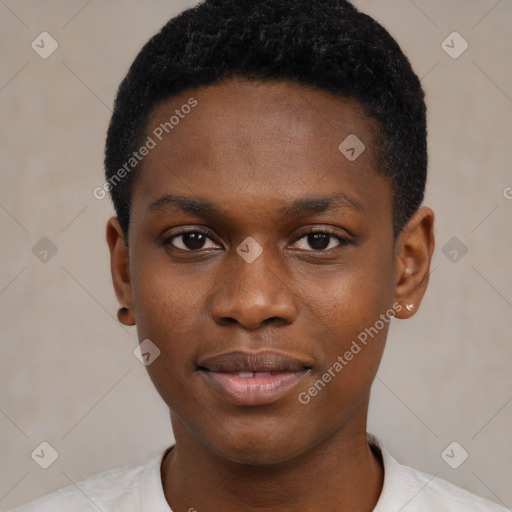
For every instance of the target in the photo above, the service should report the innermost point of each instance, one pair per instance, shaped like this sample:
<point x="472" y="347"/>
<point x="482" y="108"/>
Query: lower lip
<point x="254" y="390"/>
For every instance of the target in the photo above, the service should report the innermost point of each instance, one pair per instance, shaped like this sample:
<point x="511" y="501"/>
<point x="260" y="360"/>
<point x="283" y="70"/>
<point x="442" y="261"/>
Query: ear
<point x="120" y="269"/>
<point x="414" y="249"/>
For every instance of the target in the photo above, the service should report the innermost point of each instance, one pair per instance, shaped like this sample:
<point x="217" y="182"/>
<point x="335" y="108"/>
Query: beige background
<point x="67" y="372"/>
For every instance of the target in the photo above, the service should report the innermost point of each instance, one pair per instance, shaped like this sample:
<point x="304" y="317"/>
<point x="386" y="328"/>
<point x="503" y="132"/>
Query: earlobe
<point x="125" y="316"/>
<point x="120" y="269"/>
<point x="414" y="249"/>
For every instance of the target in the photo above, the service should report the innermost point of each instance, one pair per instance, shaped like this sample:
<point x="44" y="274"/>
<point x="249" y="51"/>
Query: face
<point x="259" y="255"/>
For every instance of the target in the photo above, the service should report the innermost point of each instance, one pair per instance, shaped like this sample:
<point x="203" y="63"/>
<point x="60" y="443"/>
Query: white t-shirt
<point x="138" y="488"/>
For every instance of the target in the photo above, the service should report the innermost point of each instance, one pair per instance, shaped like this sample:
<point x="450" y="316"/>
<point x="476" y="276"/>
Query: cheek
<point x="169" y="307"/>
<point x="167" y="312"/>
<point x="349" y="299"/>
<point x="166" y="301"/>
<point x="347" y="309"/>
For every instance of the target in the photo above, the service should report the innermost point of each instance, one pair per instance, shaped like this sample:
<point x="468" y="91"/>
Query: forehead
<point x="283" y="116"/>
<point x="256" y="141"/>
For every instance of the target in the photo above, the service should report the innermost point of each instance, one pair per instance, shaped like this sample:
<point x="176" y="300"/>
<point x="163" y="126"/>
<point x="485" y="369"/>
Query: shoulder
<point x="434" y="494"/>
<point x="421" y="492"/>
<point x="116" y="489"/>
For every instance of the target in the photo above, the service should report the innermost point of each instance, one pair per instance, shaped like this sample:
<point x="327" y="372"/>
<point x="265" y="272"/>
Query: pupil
<point x="318" y="240"/>
<point x="193" y="240"/>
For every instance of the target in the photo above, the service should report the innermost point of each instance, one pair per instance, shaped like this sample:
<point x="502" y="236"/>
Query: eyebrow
<point x="203" y="208"/>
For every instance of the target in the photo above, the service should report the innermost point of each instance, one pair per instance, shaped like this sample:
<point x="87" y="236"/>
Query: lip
<point x="273" y="375"/>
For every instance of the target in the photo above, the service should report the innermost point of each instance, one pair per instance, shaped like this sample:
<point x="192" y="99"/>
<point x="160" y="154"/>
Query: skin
<point x="251" y="148"/>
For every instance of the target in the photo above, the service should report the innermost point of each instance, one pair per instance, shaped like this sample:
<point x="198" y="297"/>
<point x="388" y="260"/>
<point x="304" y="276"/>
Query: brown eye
<point x="191" y="241"/>
<point x="321" y="241"/>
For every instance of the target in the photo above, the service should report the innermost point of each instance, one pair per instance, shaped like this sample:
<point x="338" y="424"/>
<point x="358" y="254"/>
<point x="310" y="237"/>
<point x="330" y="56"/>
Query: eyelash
<point x="342" y="240"/>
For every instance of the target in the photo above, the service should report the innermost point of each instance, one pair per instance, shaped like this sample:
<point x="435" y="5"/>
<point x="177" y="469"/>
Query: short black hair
<point x="325" y="44"/>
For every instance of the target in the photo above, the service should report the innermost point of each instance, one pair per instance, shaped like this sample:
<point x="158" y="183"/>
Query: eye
<point x="197" y="240"/>
<point x="321" y="240"/>
<point x="191" y="241"/>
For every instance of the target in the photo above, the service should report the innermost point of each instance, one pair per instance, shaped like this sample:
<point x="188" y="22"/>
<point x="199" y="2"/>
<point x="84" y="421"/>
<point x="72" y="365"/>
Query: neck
<point x="339" y="474"/>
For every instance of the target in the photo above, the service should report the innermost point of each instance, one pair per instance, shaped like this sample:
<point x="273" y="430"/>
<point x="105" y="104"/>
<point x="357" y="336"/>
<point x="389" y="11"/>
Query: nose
<point x="253" y="294"/>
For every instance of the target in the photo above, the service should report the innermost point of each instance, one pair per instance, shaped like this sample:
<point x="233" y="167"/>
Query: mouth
<point x="252" y="379"/>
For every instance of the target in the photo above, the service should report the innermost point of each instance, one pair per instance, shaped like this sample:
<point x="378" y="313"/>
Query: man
<point x="267" y="161"/>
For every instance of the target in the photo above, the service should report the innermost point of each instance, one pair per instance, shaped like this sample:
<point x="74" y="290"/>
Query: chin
<point x="257" y="448"/>
<point x="257" y="455"/>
